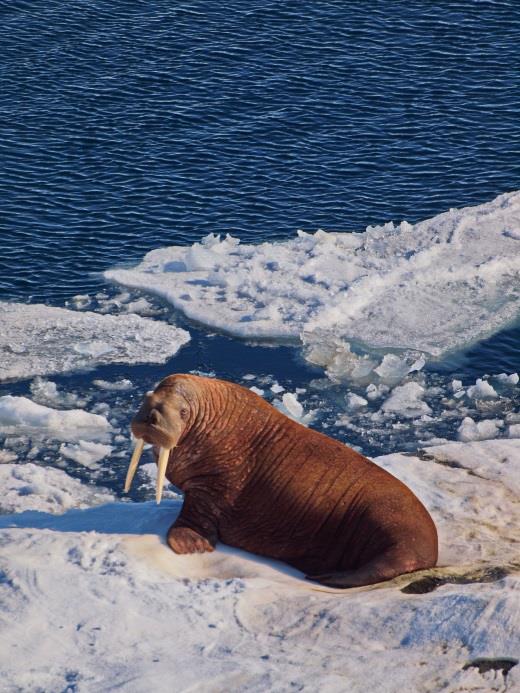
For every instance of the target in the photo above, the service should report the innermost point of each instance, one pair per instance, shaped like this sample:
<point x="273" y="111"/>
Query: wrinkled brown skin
<point x="259" y="481"/>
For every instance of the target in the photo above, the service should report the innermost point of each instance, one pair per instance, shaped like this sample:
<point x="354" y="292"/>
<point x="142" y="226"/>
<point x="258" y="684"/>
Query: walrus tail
<point x="384" y="567"/>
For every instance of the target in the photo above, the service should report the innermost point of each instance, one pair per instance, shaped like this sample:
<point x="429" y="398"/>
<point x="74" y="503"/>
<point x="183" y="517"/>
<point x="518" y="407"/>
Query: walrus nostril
<point x="153" y="417"/>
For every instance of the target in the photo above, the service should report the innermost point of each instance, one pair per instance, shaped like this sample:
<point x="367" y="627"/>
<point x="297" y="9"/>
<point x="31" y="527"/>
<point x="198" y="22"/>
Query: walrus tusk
<point x="164" y="455"/>
<point x="136" y="456"/>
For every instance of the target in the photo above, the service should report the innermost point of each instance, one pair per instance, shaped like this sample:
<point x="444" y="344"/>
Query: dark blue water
<point x="128" y="125"/>
<point x="125" y="126"/>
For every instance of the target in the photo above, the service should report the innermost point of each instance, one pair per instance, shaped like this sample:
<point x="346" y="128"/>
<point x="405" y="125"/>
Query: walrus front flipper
<point x="186" y="540"/>
<point x="385" y="567"/>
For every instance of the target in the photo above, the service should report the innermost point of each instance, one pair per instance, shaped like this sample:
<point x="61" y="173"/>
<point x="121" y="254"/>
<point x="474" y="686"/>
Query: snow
<point x="514" y="431"/>
<point x="117" y="385"/>
<point x="355" y="402"/>
<point x="430" y="288"/>
<point x="406" y="401"/>
<point x="481" y="389"/>
<point x="394" y="369"/>
<point x="93" y="599"/>
<point x="469" y="430"/>
<point x="291" y="407"/>
<point x="29" y="487"/>
<point x="8" y="456"/>
<point x="46" y="392"/>
<point x="19" y="415"/>
<point x="511" y="379"/>
<point x="86" y="453"/>
<point x="43" y="340"/>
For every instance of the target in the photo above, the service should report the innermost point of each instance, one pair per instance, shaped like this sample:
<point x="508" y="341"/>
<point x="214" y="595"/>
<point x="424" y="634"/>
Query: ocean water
<point x="127" y="126"/>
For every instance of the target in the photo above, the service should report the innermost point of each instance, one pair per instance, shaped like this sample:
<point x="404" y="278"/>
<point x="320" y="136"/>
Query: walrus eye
<point x="184" y="414"/>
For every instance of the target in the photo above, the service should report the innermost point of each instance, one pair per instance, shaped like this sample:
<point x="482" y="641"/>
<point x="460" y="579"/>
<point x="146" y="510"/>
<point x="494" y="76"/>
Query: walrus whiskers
<point x="134" y="462"/>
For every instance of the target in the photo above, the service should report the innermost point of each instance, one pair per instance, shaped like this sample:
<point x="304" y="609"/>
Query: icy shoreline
<point x="116" y="608"/>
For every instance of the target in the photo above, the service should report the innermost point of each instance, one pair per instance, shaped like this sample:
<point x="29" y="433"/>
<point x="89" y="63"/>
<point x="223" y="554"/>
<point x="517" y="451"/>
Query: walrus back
<point x="319" y="505"/>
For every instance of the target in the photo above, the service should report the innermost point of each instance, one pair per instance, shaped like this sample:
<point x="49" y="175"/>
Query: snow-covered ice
<point x="43" y="340"/>
<point x="86" y="453"/>
<point x="482" y="430"/>
<point x="291" y="407"/>
<point x="94" y="600"/>
<point x="431" y="287"/>
<point x="355" y="402"/>
<point x="481" y="389"/>
<point x="46" y="392"/>
<point x="117" y="385"/>
<point x="19" y="415"/>
<point x="407" y="401"/>
<point x="28" y="486"/>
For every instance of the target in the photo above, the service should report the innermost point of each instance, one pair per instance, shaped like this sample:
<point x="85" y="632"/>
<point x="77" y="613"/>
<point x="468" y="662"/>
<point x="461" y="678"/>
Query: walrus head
<point x="160" y="421"/>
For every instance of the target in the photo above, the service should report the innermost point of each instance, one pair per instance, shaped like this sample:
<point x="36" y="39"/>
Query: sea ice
<point x="8" y="456"/>
<point x="355" y="402"/>
<point x="406" y="400"/>
<point x="481" y="389"/>
<point x="130" y="614"/>
<point x="46" y="392"/>
<point x="118" y="385"/>
<point x="432" y="287"/>
<point x="394" y="369"/>
<point x="86" y="453"/>
<point x="511" y="379"/>
<point x="291" y="407"/>
<point x="42" y="340"/>
<point x="483" y="430"/>
<point x="28" y="486"/>
<point x="376" y="391"/>
<point x="514" y="431"/>
<point x="19" y="415"/>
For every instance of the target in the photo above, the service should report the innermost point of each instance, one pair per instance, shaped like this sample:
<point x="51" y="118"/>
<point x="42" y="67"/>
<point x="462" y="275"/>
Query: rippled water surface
<point x="125" y="126"/>
<point x="128" y="125"/>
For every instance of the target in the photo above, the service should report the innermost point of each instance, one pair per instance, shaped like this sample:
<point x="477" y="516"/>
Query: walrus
<point x="257" y="480"/>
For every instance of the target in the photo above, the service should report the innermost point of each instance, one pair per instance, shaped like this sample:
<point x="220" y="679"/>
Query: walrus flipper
<point x="196" y="529"/>
<point x="186" y="540"/>
<point x="384" y="567"/>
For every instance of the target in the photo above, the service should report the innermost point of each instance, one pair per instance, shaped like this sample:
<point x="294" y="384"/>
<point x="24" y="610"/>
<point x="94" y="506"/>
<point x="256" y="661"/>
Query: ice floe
<point x="481" y="389"/>
<point x="423" y="409"/>
<point x="43" y="340"/>
<point x="22" y="416"/>
<point x="86" y="453"/>
<point x="46" y="392"/>
<point x="407" y="401"/>
<point x="118" y="385"/>
<point x="293" y="408"/>
<point x="129" y="614"/>
<point x="431" y="287"/>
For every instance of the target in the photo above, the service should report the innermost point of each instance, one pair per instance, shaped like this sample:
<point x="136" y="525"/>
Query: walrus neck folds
<point x="219" y="442"/>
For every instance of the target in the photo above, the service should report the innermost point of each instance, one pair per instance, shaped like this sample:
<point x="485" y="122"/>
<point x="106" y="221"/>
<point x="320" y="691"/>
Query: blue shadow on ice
<point x="134" y="518"/>
<point x="112" y="518"/>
